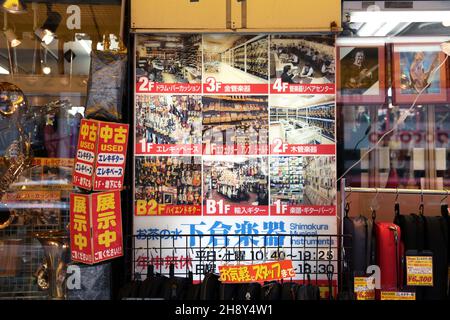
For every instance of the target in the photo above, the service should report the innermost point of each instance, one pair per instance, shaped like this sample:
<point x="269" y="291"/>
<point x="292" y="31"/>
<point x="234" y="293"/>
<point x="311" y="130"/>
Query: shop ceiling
<point x="396" y="18"/>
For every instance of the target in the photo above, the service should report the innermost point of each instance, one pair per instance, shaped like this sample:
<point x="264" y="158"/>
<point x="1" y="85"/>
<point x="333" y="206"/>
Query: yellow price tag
<point x="419" y="270"/>
<point x="364" y="288"/>
<point x="393" y="295"/>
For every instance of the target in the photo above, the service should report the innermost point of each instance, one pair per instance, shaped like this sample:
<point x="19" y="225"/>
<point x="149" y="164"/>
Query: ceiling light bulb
<point x="12" y="38"/>
<point x="46" y="69"/>
<point x="47" y="32"/>
<point x="45" y="35"/>
<point x="48" y="37"/>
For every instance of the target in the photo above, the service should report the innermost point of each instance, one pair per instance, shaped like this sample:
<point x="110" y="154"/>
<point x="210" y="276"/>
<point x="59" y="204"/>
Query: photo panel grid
<point x="235" y="188"/>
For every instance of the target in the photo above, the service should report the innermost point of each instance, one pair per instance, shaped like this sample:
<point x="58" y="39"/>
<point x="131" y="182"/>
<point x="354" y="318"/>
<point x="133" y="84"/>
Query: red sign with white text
<point x="145" y="148"/>
<point x="302" y="149"/>
<point x="111" y="156"/>
<point x="85" y="156"/>
<point x="220" y="208"/>
<point x="107" y="226"/>
<point x="152" y="208"/>
<point x="211" y="86"/>
<point x="287" y="88"/>
<point x="301" y="210"/>
<point x="238" y="149"/>
<point x="80" y="228"/>
<point x="101" y="155"/>
<point x="95" y="227"/>
<point x="146" y="86"/>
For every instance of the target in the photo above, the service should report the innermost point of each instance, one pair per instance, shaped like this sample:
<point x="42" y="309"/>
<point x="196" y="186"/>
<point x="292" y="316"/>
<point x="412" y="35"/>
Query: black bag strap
<point x="373" y="252"/>
<point x="397" y="206"/>
<point x="420" y="220"/>
<point x="171" y="270"/>
<point x="397" y="209"/>
<point x="150" y="271"/>
<point x="444" y="210"/>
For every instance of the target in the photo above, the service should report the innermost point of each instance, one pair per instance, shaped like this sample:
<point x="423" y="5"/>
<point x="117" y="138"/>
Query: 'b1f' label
<point x="217" y="207"/>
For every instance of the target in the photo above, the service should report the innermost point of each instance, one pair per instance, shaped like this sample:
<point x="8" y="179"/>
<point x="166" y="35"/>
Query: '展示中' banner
<point x="95" y="227"/>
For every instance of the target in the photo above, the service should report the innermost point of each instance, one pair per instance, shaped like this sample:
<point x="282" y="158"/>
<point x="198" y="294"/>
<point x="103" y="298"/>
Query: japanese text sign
<point x="101" y="155"/>
<point x="80" y="228"/>
<point x="257" y="272"/>
<point x="419" y="270"/>
<point x="393" y="295"/>
<point x="364" y="288"/>
<point x="95" y="227"/>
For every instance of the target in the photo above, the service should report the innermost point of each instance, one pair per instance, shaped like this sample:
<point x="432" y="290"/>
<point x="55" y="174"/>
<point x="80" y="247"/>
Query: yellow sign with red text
<point x="257" y="272"/>
<point x="364" y="288"/>
<point x="419" y="270"/>
<point x="394" y="295"/>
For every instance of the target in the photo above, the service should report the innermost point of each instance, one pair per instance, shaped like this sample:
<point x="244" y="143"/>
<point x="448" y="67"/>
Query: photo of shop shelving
<point x="232" y="121"/>
<point x="320" y="180"/>
<point x="236" y="58"/>
<point x="169" y="180"/>
<point x="302" y="59"/>
<point x="169" y="58"/>
<point x="236" y="180"/>
<point x="302" y="119"/>
<point x="287" y="180"/>
<point x="169" y="119"/>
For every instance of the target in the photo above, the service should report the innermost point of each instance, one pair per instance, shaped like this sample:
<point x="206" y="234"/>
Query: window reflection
<point x="46" y="52"/>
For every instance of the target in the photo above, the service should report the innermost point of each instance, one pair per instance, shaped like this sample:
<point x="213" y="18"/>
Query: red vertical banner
<point x="111" y="156"/>
<point x="107" y="226"/>
<point x="85" y="157"/>
<point x="95" y="227"/>
<point x="101" y="155"/>
<point x="80" y="228"/>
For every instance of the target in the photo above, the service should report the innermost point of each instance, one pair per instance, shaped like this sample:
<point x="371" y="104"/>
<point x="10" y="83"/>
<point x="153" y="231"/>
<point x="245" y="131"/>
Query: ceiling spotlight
<point x="47" y="32"/>
<point x="46" y="69"/>
<point x="12" y="38"/>
<point x="14" y="6"/>
<point x="45" y="35"/>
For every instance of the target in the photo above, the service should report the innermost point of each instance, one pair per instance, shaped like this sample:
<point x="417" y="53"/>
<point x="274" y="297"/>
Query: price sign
<point x="393" y="295"/>
<point x="419" y="270"/>
<point x="364" y="288"/>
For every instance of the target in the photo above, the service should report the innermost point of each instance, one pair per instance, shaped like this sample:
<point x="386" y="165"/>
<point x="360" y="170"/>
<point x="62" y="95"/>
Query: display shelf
<point x="287" y="179"/>
<point x="257" y="58"/>
<point x="247" y="99"/>
<point x="319" y="177"/>
<point x="318" y="119"/>
<point x="239" y="58"/>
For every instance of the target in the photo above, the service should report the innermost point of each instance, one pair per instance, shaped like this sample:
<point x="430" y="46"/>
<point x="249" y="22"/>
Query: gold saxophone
<point x="18" y="156"/>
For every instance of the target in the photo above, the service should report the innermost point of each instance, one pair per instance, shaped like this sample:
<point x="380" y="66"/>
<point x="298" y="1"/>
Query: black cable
<point x="365" y="135"/>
